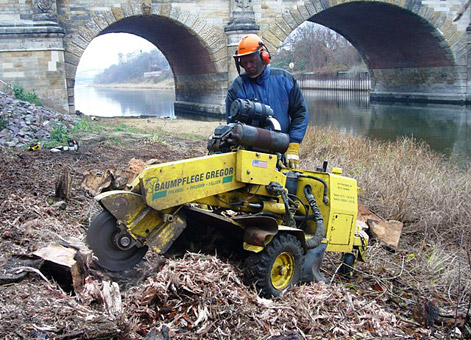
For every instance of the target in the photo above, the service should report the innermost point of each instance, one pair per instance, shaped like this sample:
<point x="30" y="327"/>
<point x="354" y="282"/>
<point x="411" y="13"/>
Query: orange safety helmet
<point x="249" y="44"/>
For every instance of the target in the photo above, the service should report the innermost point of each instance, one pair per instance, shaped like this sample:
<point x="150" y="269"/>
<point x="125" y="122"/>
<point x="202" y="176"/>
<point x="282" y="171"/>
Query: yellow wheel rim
<point x="282" y="271"/>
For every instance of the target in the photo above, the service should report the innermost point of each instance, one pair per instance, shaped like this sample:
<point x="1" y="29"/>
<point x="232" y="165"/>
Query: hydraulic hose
<point x="318" y="235"/>
<point x="300" y="218"/>
<point x="324" y="199"/>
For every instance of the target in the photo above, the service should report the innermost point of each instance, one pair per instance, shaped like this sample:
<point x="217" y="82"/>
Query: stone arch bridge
<point x="412" y="48"/>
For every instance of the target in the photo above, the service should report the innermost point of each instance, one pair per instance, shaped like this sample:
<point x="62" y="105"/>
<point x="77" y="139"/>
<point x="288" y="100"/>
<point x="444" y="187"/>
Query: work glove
<point x="292" y="155"/>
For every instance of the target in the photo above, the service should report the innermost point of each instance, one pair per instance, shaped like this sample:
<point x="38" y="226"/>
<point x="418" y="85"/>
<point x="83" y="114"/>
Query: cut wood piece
<point x="136" y="165"/>
<point x="364" y="214"/>
<point x="388" y="232"/>
<point x="65" y="265"/>
<point x="96" y="182"/>
<point x="112" y="298"/>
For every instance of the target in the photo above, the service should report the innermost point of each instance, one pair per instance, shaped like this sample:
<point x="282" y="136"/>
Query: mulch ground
<point x="195" y="297"/>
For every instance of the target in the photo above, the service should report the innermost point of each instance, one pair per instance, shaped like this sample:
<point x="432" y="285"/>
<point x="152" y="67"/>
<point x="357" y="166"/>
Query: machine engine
<point x="252" y="126"/>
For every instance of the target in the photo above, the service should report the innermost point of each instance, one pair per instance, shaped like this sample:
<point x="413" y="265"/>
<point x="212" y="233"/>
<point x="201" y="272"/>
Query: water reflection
<point x="446" y="128"/>
<point x="110" y="102"/>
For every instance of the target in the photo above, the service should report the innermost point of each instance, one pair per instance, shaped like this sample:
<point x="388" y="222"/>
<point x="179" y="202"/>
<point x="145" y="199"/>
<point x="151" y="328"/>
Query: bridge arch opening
<point x="387" y="36"/>
<point x="407" y="56"/>
<point x="121" y="74"/>
<point x="199" y="81"/>
<point x="185" y="51"/>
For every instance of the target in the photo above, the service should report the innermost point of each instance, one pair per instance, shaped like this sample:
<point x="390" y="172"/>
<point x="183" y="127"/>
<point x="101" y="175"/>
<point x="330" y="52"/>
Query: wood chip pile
<point x="197" y="297"/>
<point x="201" y="297"/>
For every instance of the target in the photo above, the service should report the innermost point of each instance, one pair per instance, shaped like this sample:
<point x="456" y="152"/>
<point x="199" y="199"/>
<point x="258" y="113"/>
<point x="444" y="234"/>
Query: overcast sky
<point x="103" y="50"/>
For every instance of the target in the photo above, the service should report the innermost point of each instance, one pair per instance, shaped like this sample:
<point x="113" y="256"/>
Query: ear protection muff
<point x="264" y="53"/>
<point x="237" y="63"/>
<point x="262" y="50"/>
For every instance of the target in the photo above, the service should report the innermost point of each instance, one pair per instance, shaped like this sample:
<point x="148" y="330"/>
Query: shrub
<point x="60" y="133"/>
<point x="30" y="97"/>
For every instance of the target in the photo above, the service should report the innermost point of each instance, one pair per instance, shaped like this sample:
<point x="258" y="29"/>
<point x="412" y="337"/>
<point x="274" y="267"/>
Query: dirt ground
<point x="30" y="220"/>
<point x="182" y="301"/>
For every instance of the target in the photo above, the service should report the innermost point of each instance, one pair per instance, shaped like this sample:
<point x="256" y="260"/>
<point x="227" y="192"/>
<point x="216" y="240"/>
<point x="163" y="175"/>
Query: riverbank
<point x="204" y="294"/>
<point x="165" y="84"/>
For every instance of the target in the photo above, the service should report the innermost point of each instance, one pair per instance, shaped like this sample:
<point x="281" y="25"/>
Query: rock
<point x="27" y="122"/>
<point x="155" y="334"/>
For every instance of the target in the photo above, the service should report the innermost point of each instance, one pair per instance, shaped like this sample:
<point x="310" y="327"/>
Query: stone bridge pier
<point x="413" y="49"/>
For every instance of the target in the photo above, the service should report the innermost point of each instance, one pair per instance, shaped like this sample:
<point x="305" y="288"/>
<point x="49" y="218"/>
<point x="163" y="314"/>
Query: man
<point x="271" y="86"/>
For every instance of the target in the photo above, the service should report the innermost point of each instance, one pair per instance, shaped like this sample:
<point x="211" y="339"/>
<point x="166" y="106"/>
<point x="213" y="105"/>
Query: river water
<point x="112" y="102"/>
<point x="446" y="128"/>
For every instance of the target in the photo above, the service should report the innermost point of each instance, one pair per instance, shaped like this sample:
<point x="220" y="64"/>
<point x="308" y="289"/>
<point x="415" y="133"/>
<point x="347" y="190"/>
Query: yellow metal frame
<point x="340" y="211"/>
<point x="233" y="180"/>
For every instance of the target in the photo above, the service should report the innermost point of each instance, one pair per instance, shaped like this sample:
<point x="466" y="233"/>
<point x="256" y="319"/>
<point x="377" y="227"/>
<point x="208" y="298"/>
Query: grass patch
<point x="62" y="133"/>
<point x="406" y="181"/>
<point x="193" y="137"/>
<point x="122" y="127"/>
<point x="30" y="97"/>
<point x="402" y="180"/>
<point x="87" y="126"/>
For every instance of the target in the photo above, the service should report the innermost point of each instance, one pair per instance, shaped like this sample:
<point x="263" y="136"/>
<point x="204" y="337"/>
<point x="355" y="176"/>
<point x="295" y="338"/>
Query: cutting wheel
<point x="114" y="249"/>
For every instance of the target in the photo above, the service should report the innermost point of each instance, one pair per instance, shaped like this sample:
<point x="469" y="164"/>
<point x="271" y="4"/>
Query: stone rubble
<point x="23" y="123"/>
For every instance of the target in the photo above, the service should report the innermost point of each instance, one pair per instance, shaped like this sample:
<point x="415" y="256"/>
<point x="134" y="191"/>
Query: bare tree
<point x="315" y="48"/>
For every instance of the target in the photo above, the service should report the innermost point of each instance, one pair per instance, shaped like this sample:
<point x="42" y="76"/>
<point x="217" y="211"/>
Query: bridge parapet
<point x="410" y="46"/>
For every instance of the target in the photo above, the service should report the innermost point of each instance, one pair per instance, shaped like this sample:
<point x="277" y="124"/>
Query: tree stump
<point x="64" y="184"/>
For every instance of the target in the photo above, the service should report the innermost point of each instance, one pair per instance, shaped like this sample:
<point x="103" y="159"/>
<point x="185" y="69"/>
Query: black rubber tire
<point x="258" y="266"/>
<point x="109" y="256"/>
<point x="348" y="263"/>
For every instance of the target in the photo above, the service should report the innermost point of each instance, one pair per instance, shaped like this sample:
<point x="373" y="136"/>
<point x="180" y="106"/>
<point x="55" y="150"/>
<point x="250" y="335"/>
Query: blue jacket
<point x="278" y="89"/>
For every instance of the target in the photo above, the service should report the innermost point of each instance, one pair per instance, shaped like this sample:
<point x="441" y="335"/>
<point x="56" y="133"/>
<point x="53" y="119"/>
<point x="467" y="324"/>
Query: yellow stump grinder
<point x="281" y="220"/>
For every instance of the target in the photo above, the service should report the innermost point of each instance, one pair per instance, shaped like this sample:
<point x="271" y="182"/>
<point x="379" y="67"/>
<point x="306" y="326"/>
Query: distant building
<point x="152" y="74"/>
